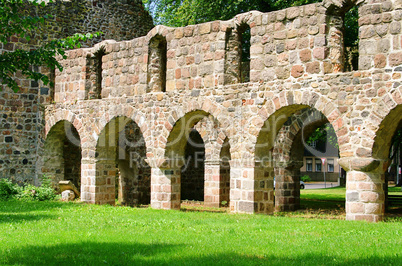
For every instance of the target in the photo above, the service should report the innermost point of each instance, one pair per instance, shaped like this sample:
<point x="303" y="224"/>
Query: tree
<point x="18" y="19"/>
<point x="325" y="134"/>
<point x="178" y="13"/>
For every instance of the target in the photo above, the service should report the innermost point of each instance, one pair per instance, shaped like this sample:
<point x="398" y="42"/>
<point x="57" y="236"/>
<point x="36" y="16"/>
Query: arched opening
<point x="343" y="36"/>
<point x="122" y="174"/>
<point x="351" y="39"/>
<point x="157" y="60"/>
<point x="387" y="148"/>
<point x="281" y="156"/>
<point x="322" y="180"/>
<point x="93" y="83"/>
<point x="237" y="55"/>
<point x="192" y="172"/>
<point x="62" y="154"/>
<point x="244" y="35"/>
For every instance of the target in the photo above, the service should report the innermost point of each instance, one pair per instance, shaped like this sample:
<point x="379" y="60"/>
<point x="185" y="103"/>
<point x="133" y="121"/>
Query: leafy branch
<point x="17" y="19"/>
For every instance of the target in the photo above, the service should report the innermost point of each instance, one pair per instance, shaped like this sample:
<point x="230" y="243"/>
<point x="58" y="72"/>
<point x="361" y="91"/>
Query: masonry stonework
<point x="21" y="114"/>
<point x="253" y="131"/>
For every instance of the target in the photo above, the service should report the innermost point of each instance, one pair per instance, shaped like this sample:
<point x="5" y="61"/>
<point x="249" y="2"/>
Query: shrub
<point x="8" y="190"/>
<point x="29" y="192"/>
<point x="41" y="193"/>
<point x="305" y="178"/>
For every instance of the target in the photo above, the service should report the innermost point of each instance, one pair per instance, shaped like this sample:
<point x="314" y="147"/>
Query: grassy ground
<point x="56" y="233"/>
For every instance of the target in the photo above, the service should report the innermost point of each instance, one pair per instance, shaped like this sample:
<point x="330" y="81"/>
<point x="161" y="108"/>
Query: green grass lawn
<point x="329" y="200"/>
<point x="394" y="190"/>
<point x="56" y="233"/>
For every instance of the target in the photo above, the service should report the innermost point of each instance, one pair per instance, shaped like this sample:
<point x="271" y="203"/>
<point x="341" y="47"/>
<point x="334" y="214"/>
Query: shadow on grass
<point x="92" y="253"/>
<point x="316" y="204"/>
<point x="21" y="218"/>
<point x="17" y="206"/>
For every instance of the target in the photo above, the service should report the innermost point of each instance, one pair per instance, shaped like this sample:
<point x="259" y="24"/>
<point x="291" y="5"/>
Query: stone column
<point x="105" y="181"/>
<point x="98" y="178"/>
<point x="264" y="187"/>
<point x="165" y="185"/>
<point x="242" y="187"/>
<point x="365" y="196"/>
<point x="88" y="177"/>
<point x="212" y="182"/>
<point x="287" y="187"/>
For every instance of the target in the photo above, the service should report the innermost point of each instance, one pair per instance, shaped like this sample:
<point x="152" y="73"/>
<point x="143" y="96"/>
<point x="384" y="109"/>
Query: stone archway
<point x="121" y="171"/>
<point x="368" y="189"/>
<point x="264" y="169"/>
<point x="62" y="154"/>
<point x="289" y="151"/>
<point x="279" y="153"/>
<point x="195" y="132"/>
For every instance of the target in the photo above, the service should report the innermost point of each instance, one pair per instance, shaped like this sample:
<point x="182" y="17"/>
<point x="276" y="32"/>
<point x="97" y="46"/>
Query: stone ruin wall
<point x="296" y="63"/>
<point x="21" y="114"/>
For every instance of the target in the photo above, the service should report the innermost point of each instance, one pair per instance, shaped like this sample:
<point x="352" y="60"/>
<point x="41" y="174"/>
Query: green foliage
<point x="305" y="178"/>
<point x="41" y="193"/>
<point x="178" y="13"/>
<point x="185" y="12"/>
<point x="16" y="20"/>
<point x="351" y="25"/>
<point x="8" y="189"/>
<point x="324" y="133"/>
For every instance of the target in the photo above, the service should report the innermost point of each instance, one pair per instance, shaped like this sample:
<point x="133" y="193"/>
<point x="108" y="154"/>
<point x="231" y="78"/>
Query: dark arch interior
<point x="193" y="170"/>
<point x="121" y="152"/>
<point x="245" y="44"/>
<point x="62" y="154"/>
<point x="282" y="151"/>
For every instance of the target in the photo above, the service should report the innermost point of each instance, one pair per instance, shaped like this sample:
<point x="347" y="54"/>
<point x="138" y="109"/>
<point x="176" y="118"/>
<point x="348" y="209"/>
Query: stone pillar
<point x="88" y="177"/>
<point x="365" y="196"/>
<point x="165" y="185"/>
<point x="105" y="182"/>
<point x="264" y="188"/>
<point x="287" y="187"/>
<point x="242" y="188"/>
<point x="212" y="184"/>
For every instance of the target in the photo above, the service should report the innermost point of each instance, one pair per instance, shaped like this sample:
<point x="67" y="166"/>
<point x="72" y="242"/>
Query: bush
<point x="305" y="178"/>
<point x="41" y="193"/>
<point x="8" y="190"/>
<point x="29" y="192"/>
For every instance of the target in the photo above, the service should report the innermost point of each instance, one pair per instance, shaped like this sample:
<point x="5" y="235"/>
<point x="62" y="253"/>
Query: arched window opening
<point x="193" y="170"/>
<point x="232" y="58"/>
<point x="244" y="35"/>
<point x="343" y="37"/>
<point x="157" y="61"/>
<point x="93" y="84"/>
<point x="351" y="39"/>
